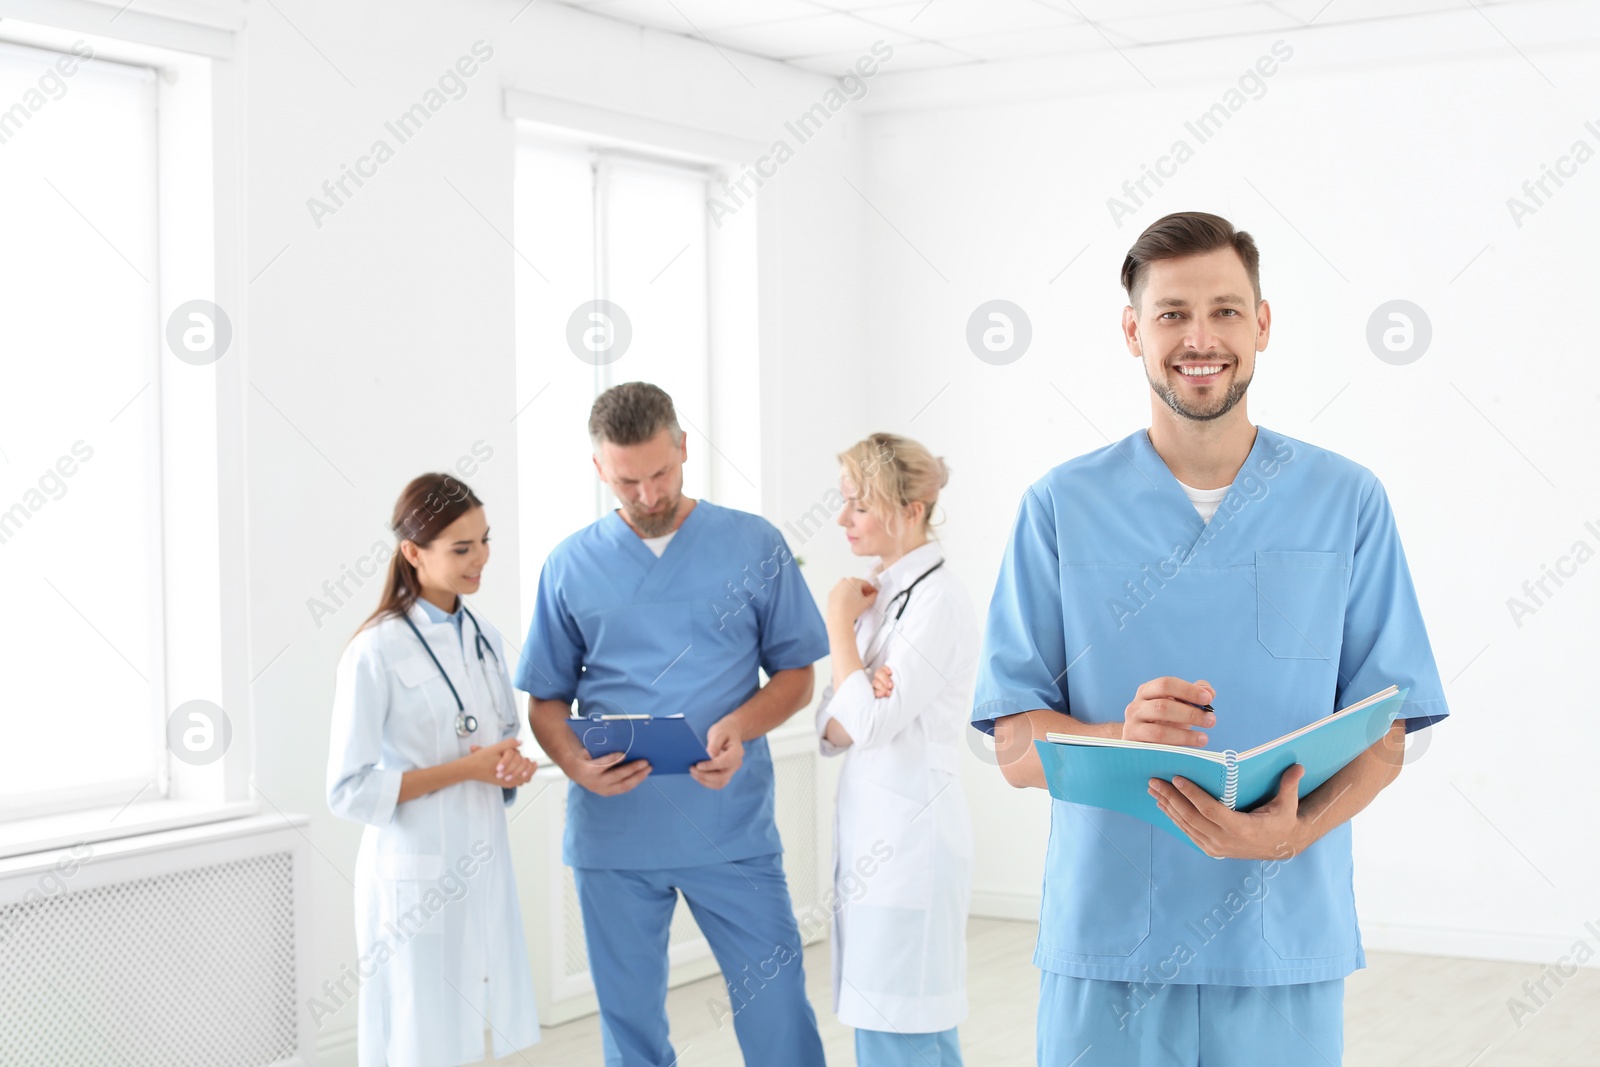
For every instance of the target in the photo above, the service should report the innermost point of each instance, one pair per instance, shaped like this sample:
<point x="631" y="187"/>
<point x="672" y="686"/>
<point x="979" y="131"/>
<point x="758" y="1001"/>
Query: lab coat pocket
<point x="411" y="891"/>
<point x="886" y="858"/>
<point x="886" y="950"/>
<point x="423" y="707"/>
<point x="1300" y="600"/>
<point x="901" y="768"/>
<point x="413" y="672"/>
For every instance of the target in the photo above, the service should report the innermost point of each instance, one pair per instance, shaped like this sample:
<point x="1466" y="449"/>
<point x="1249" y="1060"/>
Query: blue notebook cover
<point x="1111" y="773"/>
<point x="667" y="742"/>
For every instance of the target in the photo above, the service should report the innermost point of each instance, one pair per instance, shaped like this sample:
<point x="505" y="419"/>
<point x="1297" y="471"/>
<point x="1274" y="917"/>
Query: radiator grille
<point x="576" y="954"/>
<point x="191" y="968"/>
<point x="803" y="861"/>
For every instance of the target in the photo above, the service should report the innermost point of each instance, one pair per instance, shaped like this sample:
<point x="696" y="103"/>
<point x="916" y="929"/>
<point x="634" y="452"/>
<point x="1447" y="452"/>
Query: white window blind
<point x="80" y="509"/>
<point x="602" y="225"/>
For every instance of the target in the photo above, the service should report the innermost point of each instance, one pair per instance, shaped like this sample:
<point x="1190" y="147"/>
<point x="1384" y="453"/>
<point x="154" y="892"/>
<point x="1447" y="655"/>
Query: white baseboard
<point x="337" y="1048"/>
<point x="1002" y="904"/>
<point x="1539" y="949"/>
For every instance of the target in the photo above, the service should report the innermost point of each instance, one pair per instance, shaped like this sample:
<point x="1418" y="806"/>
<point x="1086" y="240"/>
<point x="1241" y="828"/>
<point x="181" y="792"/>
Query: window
<point x="121" y="521"/>
<point x="80" y="485"/>
<point x="622" y="276"/>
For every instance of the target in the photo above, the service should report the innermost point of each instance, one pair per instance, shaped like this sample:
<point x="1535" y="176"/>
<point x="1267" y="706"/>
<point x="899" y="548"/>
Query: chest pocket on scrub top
<point x="1300" y="598"/>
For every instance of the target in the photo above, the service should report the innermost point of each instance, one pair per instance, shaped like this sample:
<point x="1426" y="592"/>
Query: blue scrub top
<point x="1294" y="601"/>
<point x="622" y="631"/>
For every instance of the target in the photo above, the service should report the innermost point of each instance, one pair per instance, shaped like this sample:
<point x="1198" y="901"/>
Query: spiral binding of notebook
<point x="1230" y="781"/>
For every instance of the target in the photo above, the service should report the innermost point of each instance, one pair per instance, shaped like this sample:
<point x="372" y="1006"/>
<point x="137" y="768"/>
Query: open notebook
<point x="1104" y="772"/>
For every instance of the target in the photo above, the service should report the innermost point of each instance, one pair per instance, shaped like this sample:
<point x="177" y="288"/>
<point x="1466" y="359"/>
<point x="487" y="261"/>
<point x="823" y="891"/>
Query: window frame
<point x="733" y="260"/>
<point x="200" y="625"/>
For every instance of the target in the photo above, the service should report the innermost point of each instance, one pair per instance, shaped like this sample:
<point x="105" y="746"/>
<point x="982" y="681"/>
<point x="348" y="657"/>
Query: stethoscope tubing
<point x="465" y="724"/>
<point x="886" y="627"/>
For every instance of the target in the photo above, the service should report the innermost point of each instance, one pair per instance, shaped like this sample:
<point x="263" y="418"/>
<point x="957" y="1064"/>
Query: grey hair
<point x="632" y="413"/>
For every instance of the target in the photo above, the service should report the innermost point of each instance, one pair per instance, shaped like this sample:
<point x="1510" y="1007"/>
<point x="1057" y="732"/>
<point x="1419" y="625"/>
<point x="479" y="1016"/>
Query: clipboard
<point x="666" y="742"/>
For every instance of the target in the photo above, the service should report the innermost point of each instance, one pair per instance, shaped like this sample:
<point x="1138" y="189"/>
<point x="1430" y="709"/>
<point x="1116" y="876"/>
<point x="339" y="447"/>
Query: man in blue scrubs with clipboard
<point x="1207" y="561"/>
<point x="670" y="605"/>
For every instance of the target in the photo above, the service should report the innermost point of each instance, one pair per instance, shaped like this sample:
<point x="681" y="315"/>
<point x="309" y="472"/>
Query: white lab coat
<point x="902" y="832"/>
<point x="438" y="927"/>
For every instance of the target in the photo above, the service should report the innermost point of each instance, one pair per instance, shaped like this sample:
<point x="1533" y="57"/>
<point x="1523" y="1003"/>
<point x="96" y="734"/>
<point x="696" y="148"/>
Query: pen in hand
<point x="1157" y="713"/>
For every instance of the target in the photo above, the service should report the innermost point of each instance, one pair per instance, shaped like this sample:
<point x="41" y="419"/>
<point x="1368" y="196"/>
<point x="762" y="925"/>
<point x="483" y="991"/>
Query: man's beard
<point x="655" y="525"/>
<point x="1229" y="400"/>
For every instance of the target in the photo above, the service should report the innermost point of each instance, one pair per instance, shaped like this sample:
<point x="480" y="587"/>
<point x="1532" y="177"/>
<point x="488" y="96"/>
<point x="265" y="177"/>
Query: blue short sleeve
<point x="553" y="654"/>
<point x="792" y="631"/>
<point x="1023" y="666"/>
<point x="1385" y="641"/>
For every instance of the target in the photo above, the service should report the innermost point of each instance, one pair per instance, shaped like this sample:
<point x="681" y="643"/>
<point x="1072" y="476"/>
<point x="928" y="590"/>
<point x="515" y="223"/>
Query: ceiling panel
<point x="828" y="35"/>
<point x="695" y="17"/>
<point x="812" y="35"/>
<point x="1200" y="25"/>
<point x="858" y="5"/>
<point x="919" y="55"/>
<point x="1055" y="40"/>
<point x="944" y="19"/>
<point x="1101" y="10"/>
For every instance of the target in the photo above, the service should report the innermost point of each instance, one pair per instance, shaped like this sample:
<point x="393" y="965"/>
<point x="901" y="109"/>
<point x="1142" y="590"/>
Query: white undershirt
<point x="658" y="545"/>
<point x="1205" y="501"/>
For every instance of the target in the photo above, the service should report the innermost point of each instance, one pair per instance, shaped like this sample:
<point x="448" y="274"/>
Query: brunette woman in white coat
<point x="425" y="753"/>
<point x="904" y="647"/>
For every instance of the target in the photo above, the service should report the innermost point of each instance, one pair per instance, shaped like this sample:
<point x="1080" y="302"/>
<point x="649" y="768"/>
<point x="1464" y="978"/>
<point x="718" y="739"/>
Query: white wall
<point x="1360" y="186"/>
<point x="384" y="338"/>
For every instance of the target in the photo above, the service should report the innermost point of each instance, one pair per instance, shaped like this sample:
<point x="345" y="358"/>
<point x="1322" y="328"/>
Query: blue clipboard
<point x="667" y="743"/>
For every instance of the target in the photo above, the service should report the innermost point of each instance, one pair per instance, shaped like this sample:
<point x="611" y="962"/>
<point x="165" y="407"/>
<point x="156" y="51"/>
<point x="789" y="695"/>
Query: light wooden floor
<point x="1416" y="1011"/>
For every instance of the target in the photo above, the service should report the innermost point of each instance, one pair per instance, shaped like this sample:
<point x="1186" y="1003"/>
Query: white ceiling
<point x="828" y="36"/>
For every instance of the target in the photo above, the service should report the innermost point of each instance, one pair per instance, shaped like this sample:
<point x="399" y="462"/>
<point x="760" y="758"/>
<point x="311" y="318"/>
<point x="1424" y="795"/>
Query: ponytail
<point x="429" y="503"/>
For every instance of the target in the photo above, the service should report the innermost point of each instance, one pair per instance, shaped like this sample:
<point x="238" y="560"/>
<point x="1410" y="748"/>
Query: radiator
<point x="177" y="949"/>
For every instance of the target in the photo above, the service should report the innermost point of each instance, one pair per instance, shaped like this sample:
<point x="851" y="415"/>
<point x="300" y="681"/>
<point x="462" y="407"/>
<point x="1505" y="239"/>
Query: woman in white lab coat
<point x="904" y="648"/>
<point x="424" y="752"/>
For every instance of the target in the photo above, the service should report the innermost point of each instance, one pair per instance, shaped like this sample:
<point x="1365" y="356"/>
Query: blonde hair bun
<point x="891" y="473"/>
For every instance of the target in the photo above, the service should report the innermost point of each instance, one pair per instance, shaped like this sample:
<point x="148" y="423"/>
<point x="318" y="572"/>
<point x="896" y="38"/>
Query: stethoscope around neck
<point x="904" y="596"/>
<point x="465" y="724"/>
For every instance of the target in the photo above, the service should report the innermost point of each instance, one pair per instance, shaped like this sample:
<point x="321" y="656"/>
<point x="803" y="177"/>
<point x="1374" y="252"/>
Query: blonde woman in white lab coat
<point x="424" y="752"/>
<point x="904" y="647"/>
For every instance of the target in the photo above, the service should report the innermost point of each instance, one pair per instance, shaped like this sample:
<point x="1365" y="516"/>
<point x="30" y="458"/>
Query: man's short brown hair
<point x="1187" y="233"/>
<point x="632" y="413"/>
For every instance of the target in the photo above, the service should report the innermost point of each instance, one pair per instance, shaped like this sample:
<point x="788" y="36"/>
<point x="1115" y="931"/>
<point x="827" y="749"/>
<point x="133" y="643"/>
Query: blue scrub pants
<point x="743" y="909"/>
<point x="1089" y="1023"/>
<point x="884" y="1048"/>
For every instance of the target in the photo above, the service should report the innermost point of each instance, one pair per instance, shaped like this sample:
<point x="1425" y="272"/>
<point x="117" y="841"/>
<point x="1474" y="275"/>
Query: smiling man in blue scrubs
<point x="1206" y="561"/>
<point x="669" y="605"/>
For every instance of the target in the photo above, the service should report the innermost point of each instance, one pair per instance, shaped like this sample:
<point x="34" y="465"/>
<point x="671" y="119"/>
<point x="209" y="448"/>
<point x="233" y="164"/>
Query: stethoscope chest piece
<point x="466" y="724"/>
